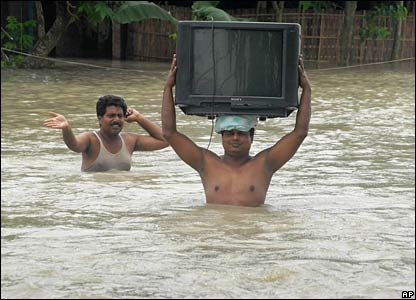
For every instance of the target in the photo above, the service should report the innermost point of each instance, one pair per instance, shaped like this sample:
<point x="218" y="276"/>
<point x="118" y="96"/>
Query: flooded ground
<point x="339" y="218"/>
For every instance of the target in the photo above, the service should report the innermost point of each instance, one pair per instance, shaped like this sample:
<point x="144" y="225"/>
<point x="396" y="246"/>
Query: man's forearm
<point x="70" y="139"/>
<point x="154" y="130"/>
<point x="303" y="116"/>
<point x="168" y="113"/>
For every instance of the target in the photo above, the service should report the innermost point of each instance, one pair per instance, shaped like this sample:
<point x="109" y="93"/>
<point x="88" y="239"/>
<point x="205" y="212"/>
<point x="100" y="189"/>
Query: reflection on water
<point x="338" y="220"/>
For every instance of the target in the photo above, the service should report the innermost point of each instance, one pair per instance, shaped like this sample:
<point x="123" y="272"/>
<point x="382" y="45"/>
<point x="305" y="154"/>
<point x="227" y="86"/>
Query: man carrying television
<point x="236" y="178"/>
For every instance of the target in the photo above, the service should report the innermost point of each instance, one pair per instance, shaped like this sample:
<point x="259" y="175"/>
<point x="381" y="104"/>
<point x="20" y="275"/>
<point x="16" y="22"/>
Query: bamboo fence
<point x="151" y="40"/>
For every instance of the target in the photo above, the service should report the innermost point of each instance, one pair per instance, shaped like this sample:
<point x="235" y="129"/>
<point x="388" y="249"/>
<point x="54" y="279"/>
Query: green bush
<point x="16" y="39"/>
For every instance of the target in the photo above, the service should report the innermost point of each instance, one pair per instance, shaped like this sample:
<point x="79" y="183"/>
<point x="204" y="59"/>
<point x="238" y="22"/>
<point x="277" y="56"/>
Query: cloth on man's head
<point x="235" y="122"/>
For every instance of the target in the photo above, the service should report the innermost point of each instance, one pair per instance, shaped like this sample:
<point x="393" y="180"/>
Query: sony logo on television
<point x="236" y="99"/>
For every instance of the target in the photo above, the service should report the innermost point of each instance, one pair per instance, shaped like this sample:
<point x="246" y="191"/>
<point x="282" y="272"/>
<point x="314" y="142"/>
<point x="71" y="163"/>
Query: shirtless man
<point x="236" y="178"/>
<point x="108" y="148"/>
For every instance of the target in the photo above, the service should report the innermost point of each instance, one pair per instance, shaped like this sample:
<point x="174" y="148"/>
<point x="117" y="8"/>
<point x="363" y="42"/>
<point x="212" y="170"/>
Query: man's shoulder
<point x="87" y="134"/>
<point x="129" y="136"/>
<point x="208" y="154"/>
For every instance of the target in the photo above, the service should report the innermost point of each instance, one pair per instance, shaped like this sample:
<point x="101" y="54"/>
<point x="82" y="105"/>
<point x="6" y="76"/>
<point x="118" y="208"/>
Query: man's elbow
<point x="167" y="134"/>
<point x="164" y="144"/>
<point x="301" y="133"/>
<point x="304" y="135"/>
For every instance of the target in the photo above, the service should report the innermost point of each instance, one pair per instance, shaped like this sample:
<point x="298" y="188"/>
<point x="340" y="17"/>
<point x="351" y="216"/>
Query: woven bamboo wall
<point x="149" y="40"/>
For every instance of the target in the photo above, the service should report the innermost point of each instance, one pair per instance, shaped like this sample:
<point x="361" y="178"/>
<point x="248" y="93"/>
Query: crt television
<point x="237" y="68"/>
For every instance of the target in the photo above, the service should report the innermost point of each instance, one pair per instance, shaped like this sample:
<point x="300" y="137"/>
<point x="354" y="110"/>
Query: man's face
<point x="236" y="142"/>
<point x="113" y="120"/>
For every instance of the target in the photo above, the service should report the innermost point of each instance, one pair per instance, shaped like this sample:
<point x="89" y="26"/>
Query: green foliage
<point x="375" y="31"/>
<point x="207" y="11"/>
<point x="16" y="39"/>
<point x="134" y="11"/>
<point x="396" y="10"/>
<point x="17" y="31"/>
<point x="96" y="11"/>
<point x="317" y="6"/>
<point x="202" y="4"/>
<point x="15" y="61"/>
<point x="120" y="11"/>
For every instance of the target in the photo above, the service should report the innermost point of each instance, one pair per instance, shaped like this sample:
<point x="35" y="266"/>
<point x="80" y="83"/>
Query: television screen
<point x="237" y="68"/>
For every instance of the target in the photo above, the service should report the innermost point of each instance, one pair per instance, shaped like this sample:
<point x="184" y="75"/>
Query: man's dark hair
<point x="110" y="100"/>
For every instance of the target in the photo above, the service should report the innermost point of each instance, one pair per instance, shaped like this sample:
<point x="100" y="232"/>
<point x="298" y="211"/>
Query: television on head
<point x="236" y="68"/>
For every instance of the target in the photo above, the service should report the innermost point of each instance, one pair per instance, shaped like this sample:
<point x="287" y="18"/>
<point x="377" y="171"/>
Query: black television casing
<point x="255" y="70"/>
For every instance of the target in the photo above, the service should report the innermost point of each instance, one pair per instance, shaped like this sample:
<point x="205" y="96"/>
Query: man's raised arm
<point x="187" y="150"/>
<point x="78" y="143"/>
<point x="155" y="140"/>
<point x="286" y="147"/>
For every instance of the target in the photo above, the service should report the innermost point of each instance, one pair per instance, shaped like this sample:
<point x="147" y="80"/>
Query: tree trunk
<point x="260" y="6"/>
<point x="117" y="51"/>
<point x="347" y="32"/>
<point x="40" y="19"/>
<point x="104" y="33"/>
<point x="278" y="8"/>
<point x="395" y="53"/>
<point x="47" y="42"/>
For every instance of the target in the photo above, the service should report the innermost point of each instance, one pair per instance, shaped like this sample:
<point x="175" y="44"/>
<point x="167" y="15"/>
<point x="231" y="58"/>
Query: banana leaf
<point x="134" y="11"/>
<point x="201" y="4"/>
<point x="206" y="10"/>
